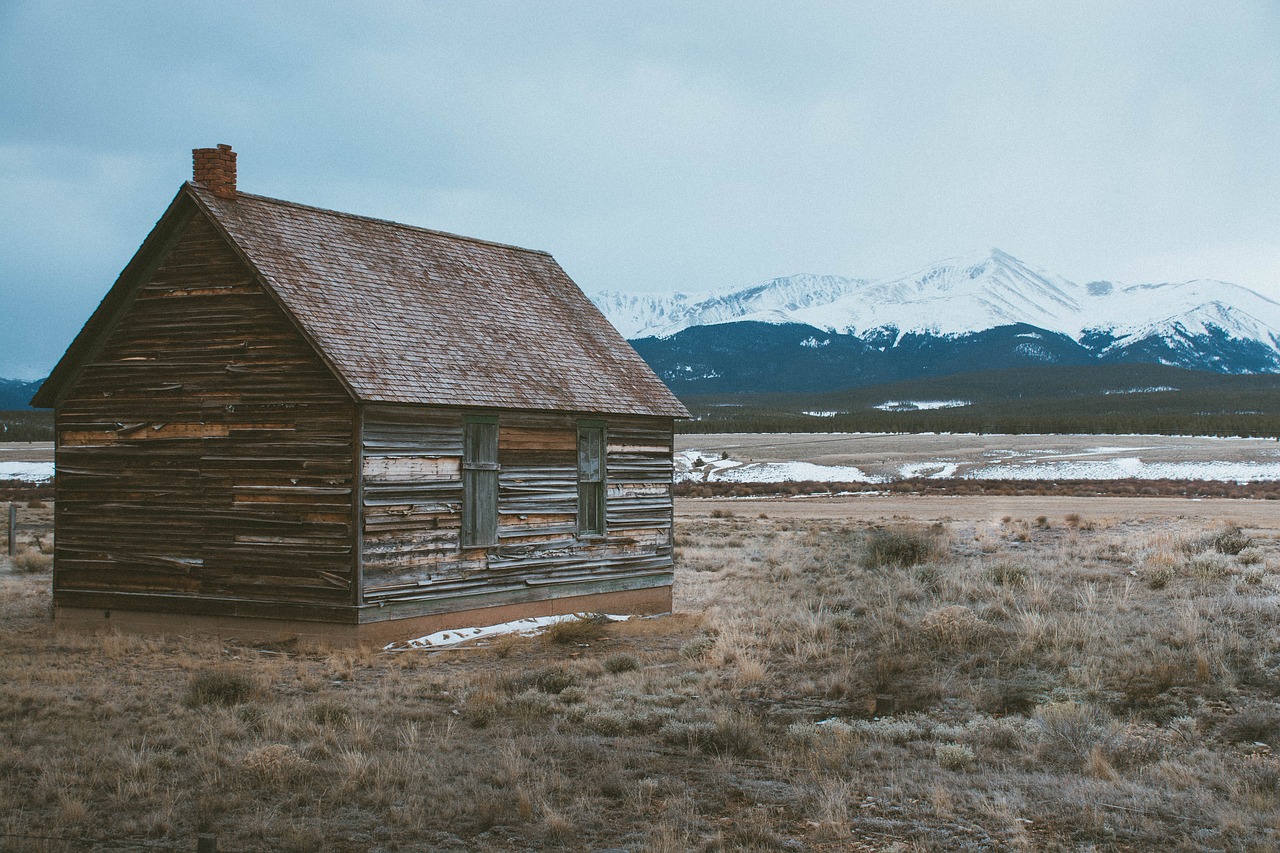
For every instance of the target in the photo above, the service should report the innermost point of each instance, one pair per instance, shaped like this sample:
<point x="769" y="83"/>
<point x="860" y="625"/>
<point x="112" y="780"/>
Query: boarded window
<point x="480" y="482"/>
<point x="591" y="480"/>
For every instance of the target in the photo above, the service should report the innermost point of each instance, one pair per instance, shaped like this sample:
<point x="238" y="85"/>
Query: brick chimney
<point x="216" y="169"/>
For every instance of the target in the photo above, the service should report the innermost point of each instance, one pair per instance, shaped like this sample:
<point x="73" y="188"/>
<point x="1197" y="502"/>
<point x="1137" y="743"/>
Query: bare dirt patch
<point x="873" y="508"/>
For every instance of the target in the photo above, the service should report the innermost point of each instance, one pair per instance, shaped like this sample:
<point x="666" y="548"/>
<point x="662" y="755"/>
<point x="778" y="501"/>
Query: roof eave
<point x="157" y="245"/>
<point x="267" y="286"/>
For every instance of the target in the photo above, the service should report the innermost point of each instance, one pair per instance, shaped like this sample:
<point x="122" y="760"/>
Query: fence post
<point x="207" y="844"/>
<point x="13" y="528"/>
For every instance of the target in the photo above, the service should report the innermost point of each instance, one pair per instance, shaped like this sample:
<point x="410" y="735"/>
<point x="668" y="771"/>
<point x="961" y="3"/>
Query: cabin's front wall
<point x="205" y="453"/>
<point x="412" y="496"/>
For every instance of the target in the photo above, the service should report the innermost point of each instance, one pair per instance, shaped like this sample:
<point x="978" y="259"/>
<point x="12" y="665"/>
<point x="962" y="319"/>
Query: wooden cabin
<point x="289" y="421"/>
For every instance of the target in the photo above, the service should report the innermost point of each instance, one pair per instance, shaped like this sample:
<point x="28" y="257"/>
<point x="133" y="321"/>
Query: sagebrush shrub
<point x="30" y="561"/>
<point x="1209" y="566"/>
<point x="1069" y="733"/>
<point x="548" y="679"/>
<point x="954" y="756"/>
<point x="621" y="663"/>
<point x="1230" y="540"/>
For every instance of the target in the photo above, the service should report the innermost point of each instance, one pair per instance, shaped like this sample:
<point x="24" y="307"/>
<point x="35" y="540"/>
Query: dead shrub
<point x="1005" y="573"/>
<point x="31" y="561"/>
<point x="902" y="547"/>
<point x="1209" y="566"/>
<point x="1020" y="693"/>
<point x="549" y="679"/>
<point x="738" y="735"/>
<point x="1254" y="724"/>
<point x="579" y="630"/>
<point x="1230" y="540"/>
<point x="504" y="644"/>
<point x="275" y="763"/>
<point x="621" y="663"/>
<point x="1250" y="557"/>
<point x="1069" y="733"/>
<point x="328" y="713"/>
<point x="220" y="686"/>
<point x="1159" y="569"/>
<point x="954" y="626"/>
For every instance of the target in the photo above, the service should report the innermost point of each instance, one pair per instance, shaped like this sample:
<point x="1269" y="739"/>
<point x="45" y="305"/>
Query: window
<point x="591" y="479"/>
<point x="479" y="482"/>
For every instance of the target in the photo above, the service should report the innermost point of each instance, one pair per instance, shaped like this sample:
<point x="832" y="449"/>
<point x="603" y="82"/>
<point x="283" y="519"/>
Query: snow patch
<point x="920" y="405"/>
<point x="1150" y="390"/>
<point x="821" y="414"/>
<point x="930" y="470"/>
<point x="27" y="472"/>
<point x="1131" y="468"/>
<point x="523" y="627"/>
<point x="792" y="472"/>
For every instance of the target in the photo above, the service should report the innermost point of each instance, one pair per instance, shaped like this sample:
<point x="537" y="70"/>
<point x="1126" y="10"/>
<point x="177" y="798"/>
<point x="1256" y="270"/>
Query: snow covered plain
<point x="27" y="472"/>
<point x="26" y="461"/>
<point x="882" y="458"/>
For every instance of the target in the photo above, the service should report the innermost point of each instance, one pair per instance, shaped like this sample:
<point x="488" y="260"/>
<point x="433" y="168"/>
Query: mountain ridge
<point x="936" y="320"/>
<point x="991" y="288"/>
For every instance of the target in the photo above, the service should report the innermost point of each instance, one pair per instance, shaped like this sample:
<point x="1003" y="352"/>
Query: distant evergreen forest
<point x="1147" y="399"/>
<point x="1088" y="399"/>
<point x="26" y="425"/>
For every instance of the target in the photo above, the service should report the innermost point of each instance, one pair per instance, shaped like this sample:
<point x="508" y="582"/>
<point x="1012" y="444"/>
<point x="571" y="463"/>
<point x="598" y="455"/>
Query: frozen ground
<point x="879" y="457"/>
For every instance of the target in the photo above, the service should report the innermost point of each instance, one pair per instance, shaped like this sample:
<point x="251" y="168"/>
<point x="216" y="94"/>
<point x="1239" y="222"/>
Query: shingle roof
<point x="408" y="315"/>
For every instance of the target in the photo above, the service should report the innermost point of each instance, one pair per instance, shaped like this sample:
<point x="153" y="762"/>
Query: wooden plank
<point x="205" y="448"/>
<point x="512" y="438"/>
<point x="410" y="469"/>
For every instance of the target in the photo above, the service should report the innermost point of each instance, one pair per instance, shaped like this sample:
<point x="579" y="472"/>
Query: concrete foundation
<point x="258" y="630"/>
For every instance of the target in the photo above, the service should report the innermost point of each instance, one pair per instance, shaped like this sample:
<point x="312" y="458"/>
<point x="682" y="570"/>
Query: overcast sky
<point x="652" y="146"/>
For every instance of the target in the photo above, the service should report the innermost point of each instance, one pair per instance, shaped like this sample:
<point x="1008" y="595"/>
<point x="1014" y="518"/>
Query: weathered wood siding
<point x="206" y="450"/>
<point x="412" y="502"/>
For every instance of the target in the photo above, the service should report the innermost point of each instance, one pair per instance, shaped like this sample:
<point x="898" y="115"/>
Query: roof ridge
<point x="375" y="219"/>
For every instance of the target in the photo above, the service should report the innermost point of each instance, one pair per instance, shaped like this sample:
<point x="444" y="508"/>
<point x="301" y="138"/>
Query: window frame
<point x="592" y="481"/>
<point x="479" y="523"/>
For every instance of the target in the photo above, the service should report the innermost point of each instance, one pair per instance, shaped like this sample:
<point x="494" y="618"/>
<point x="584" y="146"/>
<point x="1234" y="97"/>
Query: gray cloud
<point x="655" y="145"/>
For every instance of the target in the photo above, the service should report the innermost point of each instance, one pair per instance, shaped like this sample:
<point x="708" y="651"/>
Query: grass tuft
<point x="902" y="547"/>
<point x="220" y="686"/>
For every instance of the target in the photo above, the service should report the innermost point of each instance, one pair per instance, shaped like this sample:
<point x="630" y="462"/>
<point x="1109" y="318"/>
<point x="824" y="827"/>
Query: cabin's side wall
<point x="412" y="501"/>
<point x="205" y="451"/>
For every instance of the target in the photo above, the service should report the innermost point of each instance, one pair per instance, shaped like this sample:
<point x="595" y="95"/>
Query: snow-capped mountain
<point x="644" y="315"/>
<point x="1209" y="325"/>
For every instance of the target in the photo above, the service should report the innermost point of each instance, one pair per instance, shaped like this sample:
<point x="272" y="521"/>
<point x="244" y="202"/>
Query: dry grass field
<point x="1032" y="675"/>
